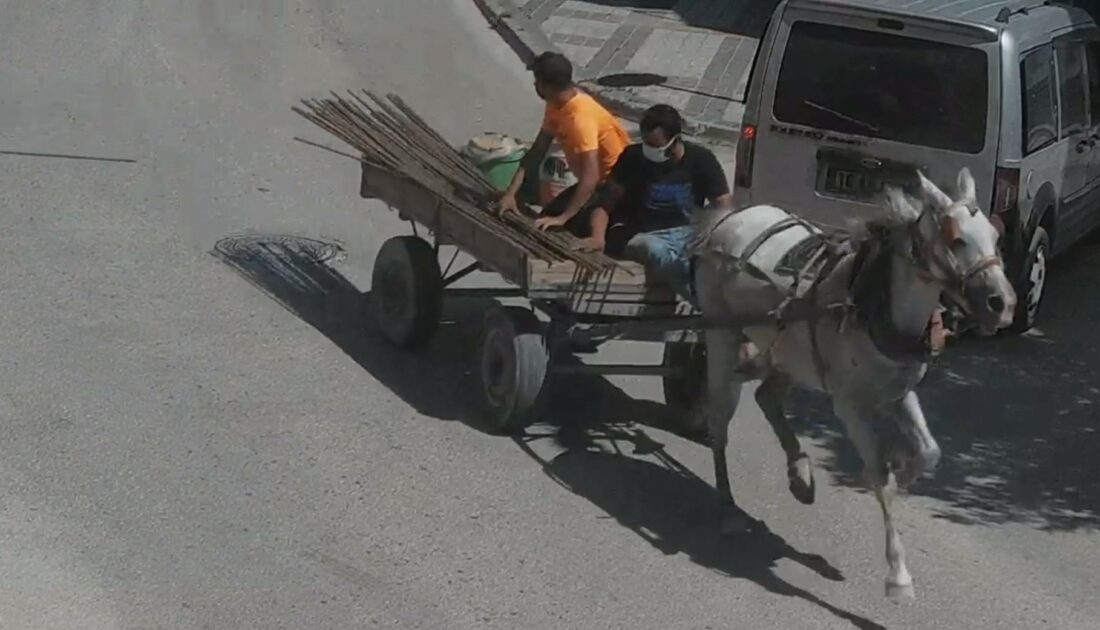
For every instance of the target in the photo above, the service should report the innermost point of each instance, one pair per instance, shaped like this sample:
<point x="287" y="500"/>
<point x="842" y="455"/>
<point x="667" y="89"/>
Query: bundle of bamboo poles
<point x="391" y="136"/>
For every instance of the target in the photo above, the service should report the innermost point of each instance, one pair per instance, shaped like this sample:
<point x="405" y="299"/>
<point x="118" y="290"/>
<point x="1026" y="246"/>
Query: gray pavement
<point x="195" y="441"/>
<point x="701" y="49"/>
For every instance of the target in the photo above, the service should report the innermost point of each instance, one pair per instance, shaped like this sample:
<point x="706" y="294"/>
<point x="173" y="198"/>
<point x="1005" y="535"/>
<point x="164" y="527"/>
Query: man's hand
<point x="507" y="203"/>
<point x="545" y="223"/>
<point x="529" y="164"/>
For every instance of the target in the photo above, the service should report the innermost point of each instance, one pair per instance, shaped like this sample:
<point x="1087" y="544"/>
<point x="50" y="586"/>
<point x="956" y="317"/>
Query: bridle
<point x="934" y="268"/>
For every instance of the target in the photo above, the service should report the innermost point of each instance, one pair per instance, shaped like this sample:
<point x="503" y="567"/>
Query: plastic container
<point x="554" y="175"/>
<point x="497" y="156"/>
<point x="500" y="172"/>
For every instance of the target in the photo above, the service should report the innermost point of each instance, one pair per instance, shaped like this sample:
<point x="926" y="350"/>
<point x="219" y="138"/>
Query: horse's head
<point x="955" y="246"/>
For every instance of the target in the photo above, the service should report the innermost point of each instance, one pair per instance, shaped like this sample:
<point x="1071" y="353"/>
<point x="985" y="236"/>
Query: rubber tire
<point x="686" y="393"/>
<point x="512" y="366"/>
<point x="406" y="292"/>
<point x="1026" y="313"/>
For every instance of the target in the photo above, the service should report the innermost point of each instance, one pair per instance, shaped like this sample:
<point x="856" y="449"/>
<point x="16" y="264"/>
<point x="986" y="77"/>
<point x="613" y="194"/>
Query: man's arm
<point x="597" y="236"/>
<point x="581" y="137"/>
<point x="587" y="180"/>
<point x="530" y="163"/>
<point x="716" y="188"/>
<point x="723" y="202"/>
<point x="610" y="196"/>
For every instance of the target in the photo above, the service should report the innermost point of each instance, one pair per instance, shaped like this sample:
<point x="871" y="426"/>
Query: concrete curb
<point x="528" y="41"/>
<point x="524" y="37"/>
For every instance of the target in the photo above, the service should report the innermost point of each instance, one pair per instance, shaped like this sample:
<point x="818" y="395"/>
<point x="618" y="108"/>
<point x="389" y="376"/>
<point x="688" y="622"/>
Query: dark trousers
<point x="618" y="233"/>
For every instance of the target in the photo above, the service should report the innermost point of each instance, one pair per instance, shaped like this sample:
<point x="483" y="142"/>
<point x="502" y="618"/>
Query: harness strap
<point x="809" y="301"/>
<point x="815" y="346"/>
<point x="803" y="273"/>
<point x="699" y="240"/>
<point x="762" y="237"/>
<point x="741" y="263"/>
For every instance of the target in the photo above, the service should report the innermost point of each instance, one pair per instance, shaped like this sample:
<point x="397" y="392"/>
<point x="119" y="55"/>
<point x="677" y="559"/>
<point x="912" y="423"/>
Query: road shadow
<point x="660" y="500"/>
<point x="299" y="274"/>
<point x="663" y="502"/>
<point x="439" y="380"/>
<point x="1018" y="418"/>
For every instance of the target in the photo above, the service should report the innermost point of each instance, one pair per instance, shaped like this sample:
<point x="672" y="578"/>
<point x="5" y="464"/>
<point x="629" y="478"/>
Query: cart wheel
<point x="686" y="391"/>
<point x="407" y="291"/>
<point x="514" y="358"/>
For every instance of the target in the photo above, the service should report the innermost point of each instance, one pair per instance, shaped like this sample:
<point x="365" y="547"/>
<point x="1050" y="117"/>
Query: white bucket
<point x="554" y="175"/>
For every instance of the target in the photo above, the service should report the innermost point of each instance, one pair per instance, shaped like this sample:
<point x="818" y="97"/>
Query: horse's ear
<point x="968" y="193"/>
<point x="932" y="193"/>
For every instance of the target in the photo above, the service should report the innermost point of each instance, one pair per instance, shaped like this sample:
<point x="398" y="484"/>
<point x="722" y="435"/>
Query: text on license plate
<point x="848" y="182"/>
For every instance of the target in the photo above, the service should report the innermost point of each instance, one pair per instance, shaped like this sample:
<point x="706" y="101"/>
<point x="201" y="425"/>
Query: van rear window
<point x="885" y="86"/>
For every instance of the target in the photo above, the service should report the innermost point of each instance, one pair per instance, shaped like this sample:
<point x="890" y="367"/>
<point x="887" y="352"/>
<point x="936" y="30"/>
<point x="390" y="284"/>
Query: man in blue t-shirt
<point x="650" y="195"/>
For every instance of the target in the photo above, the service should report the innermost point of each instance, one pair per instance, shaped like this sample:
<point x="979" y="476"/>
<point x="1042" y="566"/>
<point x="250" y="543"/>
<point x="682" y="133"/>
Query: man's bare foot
<point x="589" y="245"/>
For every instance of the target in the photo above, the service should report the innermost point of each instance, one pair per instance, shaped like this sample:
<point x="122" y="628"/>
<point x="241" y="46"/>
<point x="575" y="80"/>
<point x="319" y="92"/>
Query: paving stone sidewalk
<point x="702" y="48"/>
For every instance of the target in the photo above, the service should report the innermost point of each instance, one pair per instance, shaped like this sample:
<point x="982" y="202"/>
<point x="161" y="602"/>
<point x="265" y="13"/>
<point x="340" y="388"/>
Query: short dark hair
<point x="553" y="70"/>
<point x="664" y="117"/>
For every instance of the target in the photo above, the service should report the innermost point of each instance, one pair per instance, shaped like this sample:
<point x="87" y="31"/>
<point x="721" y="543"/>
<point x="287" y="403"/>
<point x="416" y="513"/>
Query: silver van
<point x="848" y="95"/>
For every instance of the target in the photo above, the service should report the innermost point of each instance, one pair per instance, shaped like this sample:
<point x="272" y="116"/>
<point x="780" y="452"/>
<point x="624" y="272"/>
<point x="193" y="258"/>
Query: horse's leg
<point x="899" y="583"/>
<point x="770" y="396"/>
<point x="723" y="396"/>
<point x="858" y="421"/>
<point x="923" y="453"/>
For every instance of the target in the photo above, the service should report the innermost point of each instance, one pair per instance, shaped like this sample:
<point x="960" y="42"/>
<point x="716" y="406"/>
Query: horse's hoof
<point x="910" y="465"/>
<point x="908" y="469"/>
<point x="905" y="476"/>
<point x="736" y="523"/>
<point x="800" y="479"/>
<point x="930" y="458"/>
<point x="900" y="593"/>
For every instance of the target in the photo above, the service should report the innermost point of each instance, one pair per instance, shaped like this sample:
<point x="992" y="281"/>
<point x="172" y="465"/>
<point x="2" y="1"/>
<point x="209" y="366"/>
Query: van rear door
<point x="854" y="100"/>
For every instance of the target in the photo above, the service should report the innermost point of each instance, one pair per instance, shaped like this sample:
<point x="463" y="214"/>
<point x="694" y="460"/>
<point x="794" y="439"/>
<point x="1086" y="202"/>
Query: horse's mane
<point x="899" y="211"/>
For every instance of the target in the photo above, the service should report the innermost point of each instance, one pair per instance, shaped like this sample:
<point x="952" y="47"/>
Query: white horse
<point x="856" y="327"/>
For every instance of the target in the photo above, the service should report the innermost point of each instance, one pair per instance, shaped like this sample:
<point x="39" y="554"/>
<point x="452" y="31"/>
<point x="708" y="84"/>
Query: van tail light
<point x="746" y="145"/>
<point x="1006" y="191"/>
<point x="1006" y="204"/>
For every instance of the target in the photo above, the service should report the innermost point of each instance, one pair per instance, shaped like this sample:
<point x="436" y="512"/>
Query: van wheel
<point x="1031" y="285"/>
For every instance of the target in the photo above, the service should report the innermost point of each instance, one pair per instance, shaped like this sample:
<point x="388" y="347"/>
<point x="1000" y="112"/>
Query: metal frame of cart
<point x="517" y="349"/>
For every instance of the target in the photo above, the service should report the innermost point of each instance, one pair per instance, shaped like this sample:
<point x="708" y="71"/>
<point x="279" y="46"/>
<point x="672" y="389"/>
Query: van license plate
<point x="852" y="183"/>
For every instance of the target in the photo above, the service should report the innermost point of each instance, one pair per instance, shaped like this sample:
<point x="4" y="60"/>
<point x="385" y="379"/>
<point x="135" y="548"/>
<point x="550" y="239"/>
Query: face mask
<point x="658" y="155"/>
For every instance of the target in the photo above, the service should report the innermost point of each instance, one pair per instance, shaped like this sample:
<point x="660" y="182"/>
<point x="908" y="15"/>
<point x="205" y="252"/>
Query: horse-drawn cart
<point x="517" y="348"/>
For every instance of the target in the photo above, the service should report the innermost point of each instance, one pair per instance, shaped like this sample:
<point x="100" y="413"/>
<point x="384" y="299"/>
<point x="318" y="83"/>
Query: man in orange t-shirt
<point x="591" y="138"/>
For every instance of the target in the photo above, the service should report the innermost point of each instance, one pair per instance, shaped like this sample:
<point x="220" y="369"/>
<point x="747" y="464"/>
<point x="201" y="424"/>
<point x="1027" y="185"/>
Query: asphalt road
<point x="188" y="443"/>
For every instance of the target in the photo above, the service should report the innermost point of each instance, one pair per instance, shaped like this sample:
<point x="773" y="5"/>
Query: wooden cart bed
<point x="622" y="292"/>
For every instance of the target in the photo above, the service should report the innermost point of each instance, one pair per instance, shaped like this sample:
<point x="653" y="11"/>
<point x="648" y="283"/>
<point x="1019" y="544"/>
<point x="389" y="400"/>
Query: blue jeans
<point x="662" y="252"/>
